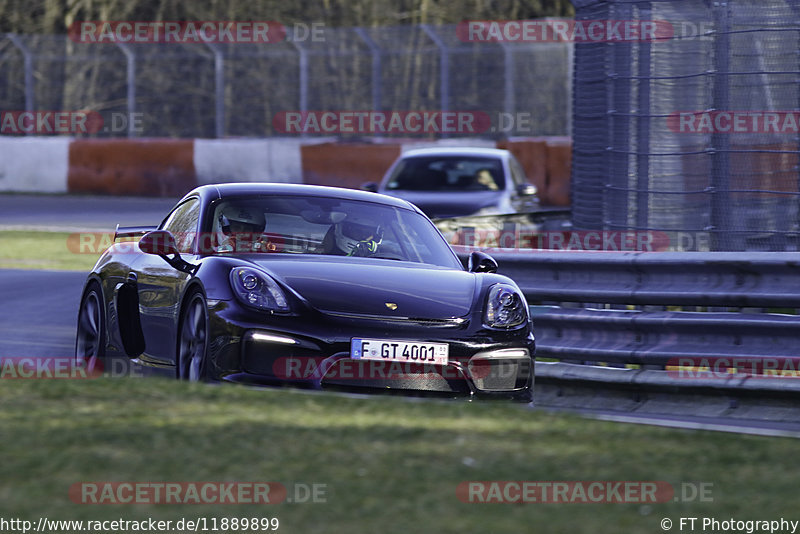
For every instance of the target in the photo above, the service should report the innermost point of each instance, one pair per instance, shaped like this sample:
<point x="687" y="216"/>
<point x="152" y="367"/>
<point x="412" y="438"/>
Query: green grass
<point x="389" y="464"/>
<point x="23" y="249"/>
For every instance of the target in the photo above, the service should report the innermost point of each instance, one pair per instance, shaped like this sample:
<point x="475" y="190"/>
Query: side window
<point x="182" y="223"/>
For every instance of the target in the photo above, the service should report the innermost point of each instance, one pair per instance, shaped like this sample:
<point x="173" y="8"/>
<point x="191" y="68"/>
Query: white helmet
<point x="251" y="217"/>
<point x="357" y="235"/>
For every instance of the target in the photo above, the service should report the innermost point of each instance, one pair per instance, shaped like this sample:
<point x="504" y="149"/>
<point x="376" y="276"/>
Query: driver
<point x="484" y="177"/>
<point x="357" y="236"/>
<point x="241" y="229"/>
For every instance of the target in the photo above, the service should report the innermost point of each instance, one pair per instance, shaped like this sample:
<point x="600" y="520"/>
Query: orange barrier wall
<point x="548" y="163"/>
<point x="346" y="164"/>
<point x="559" y="171"/>
<point x="165" y="167"/>
<point x="155" y="167"/>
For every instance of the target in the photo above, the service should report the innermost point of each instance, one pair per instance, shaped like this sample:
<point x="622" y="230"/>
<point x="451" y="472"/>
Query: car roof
<point x="208" y="193"/>
<point x="456" y="151"/>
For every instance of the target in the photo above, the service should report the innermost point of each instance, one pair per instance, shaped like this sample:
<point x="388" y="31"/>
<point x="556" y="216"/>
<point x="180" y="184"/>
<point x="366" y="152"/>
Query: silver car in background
<point x="456" y="182"/>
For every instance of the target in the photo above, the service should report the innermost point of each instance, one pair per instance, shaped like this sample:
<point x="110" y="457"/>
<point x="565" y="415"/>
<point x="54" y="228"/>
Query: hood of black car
<point x="367" y="286"/>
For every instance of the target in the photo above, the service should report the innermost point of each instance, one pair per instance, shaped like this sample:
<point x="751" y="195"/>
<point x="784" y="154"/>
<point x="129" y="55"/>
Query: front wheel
<point x="192" y="362"/>
<point x="90" y="341"/>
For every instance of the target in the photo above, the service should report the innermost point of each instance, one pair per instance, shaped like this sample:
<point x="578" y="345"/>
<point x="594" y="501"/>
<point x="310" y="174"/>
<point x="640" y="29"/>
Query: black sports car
<point x="326" y="287"/>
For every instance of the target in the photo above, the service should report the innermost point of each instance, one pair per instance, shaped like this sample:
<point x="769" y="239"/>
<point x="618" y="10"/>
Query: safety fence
<point x="243" y="89"/>
<point x="697" y="131"/>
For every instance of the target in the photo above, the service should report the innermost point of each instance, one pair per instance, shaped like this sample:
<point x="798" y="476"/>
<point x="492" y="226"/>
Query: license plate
<point x="390" y="350"/>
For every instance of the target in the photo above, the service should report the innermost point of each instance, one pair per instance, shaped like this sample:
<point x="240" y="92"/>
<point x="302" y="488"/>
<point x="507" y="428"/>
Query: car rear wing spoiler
<point x="132" y="231"/>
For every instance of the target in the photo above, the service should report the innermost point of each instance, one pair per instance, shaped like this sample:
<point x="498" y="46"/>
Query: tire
<point x="90" y="339"/>
<point x="191" y="362"/>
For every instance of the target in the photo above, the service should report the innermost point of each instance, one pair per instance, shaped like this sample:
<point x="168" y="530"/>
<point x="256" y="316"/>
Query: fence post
<point x="27" y="57"/>
<point x="444" y="72"/>
<point x="570" y="84"/>
<point x="509" y="98"/>
<point x="376" y="67"/>
<point x="721" y="216"/>
<point x="616" y="209"/>
<point x="643" y="127"/>
<point x="219" y="90"/>
<point x="130" y="57"/>
<point x="796" y="222"/>
<point x="302" y="63"/>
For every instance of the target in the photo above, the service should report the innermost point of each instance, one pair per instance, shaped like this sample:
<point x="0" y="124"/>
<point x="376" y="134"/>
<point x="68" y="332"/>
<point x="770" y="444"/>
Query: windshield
<point x="448" y="173"/>
<point x="326" y="226"/>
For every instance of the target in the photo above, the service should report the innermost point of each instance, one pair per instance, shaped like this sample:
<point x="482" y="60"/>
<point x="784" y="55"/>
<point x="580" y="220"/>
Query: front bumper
<point x="316" y="353"/>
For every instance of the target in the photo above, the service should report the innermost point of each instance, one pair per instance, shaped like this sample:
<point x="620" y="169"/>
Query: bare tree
<point x="55" y="16"/>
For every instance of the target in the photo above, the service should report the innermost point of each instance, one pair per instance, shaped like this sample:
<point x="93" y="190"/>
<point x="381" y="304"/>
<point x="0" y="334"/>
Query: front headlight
<point x="505" y="307"/>
<point x="258" y="290"/>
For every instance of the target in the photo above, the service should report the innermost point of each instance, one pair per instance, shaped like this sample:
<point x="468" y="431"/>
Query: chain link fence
<point x="237" y="89"/>
<point x="695" y="134"/>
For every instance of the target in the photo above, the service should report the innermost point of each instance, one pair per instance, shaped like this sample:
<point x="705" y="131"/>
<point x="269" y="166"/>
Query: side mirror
<point x="370" y="186"/>
<point x="480" y="262"/>
<point x="161" y="243"/>
<point x="158" y="242"/>
<point x="526" y="190"/>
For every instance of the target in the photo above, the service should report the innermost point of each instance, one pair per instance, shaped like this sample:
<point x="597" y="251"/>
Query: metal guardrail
<point x="658" y="339"/>
<point x="732" y="279"/>
<point x="663" y="313"/>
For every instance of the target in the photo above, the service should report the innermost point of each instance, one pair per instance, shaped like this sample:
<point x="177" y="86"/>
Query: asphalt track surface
<point x="39" y="312"/>
<point x="38" y="315"/>
<point x="78" y="212"/>
<point x="38" y="309"/>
